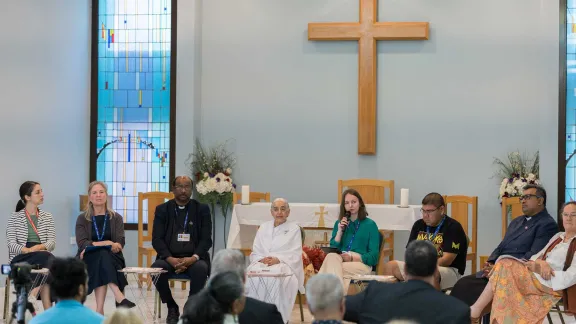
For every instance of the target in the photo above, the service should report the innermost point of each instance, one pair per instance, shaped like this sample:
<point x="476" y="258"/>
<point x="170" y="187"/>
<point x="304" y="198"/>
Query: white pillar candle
<point x="404" y="197"/>
<point x="245" y="195"/>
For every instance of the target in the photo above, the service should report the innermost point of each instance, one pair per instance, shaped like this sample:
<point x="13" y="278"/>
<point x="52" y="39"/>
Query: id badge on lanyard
<point x="184" y="237"/>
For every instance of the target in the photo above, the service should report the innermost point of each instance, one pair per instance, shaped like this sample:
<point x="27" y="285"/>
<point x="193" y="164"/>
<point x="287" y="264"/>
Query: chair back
<point x="153" y="199"/>
<point x="464" y="209"/>
<point x="372" y="191"/>
<point x="254" y="197"/>
<point x="513" y="205"/>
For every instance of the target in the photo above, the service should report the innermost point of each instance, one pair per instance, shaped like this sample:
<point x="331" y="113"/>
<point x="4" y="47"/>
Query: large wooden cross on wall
<point x="367" y="32"/>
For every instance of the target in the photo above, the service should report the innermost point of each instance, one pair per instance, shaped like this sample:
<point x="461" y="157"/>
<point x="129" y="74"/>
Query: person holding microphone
<point x="355" y="239"/>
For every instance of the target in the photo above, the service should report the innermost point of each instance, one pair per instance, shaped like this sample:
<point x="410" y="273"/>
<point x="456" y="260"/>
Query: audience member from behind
<point x="416" y="299"/>
<point x="325" y="298"/>
<point x="123" y="316"/>
<point x="31" y="235"/>
<point x="255" y="311"/>
<point x="68" y="284"/>
<point x="219" y="302"/>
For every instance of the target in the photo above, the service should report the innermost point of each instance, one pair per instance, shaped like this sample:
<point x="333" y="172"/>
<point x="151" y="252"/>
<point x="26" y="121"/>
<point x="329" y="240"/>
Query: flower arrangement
<point x="314" y="256"/>
<point x="517" y="172"/>
<point x="211" y="168"/>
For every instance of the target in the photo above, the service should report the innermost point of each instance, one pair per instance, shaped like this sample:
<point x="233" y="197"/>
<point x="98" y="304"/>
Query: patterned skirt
<point x="518" y="295"/>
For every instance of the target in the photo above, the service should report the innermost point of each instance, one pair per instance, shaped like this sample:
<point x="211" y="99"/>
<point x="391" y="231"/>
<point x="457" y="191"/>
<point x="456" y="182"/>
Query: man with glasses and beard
<point x="181" y="236"/>
<point x="68" y="282"/>
<point x="526" y="235"/>
<point x="448" y="237"/>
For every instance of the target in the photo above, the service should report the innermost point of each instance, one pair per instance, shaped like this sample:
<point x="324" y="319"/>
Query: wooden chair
<point x="459" y="211"/>
<point x="373" y="192"/>
<point x="254" y="198"/>
<point x="154" y="199"/>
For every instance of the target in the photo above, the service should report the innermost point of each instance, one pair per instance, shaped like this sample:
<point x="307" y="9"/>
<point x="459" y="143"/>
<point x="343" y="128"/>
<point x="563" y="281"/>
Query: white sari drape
<point x="285" y="243"/>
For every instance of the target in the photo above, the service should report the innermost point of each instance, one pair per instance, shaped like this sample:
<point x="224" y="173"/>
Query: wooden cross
<point x="324" y="242"/>
<point x="321" y="218"/>
<point x="367" y="32"/>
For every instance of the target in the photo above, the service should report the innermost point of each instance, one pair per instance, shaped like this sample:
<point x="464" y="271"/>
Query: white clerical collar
<point x="181" y="207"/>
<point x="528" y="218"/>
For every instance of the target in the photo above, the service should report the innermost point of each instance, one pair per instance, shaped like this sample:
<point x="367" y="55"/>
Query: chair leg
<point x="474" y="265"/>
<point x="549" y="318"/>
<point x="171" y="284"/>
<point x="559" y="314"/>
<point x="301" y="310"/>
<point x="140" y="276"/>
<point x="184" y="285"/>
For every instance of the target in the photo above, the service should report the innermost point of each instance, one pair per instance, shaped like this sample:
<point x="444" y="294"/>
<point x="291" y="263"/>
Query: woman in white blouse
<point x="525" y="290"/>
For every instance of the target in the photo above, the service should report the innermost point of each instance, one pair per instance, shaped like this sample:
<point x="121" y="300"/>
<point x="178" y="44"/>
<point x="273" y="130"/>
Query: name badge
<point x="183" y="237"/>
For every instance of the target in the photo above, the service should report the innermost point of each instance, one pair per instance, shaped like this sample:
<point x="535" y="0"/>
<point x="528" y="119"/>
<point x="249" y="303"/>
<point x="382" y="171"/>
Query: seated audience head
<point x="280" y="210"/>
<point x="325" y="297"/>
<point x="68" y="279"/>
<point x="533" y="199"/>
<point x="182" y="188"/>
<point x="30" y="193"/>
<point x="421" y="260"/>
<point x="568" y="218"/>
<point x="97" y="198"/>
<point x="123" y="316"/>
<point x="353" y="204"/>
<point x="229" y="260"/>
<point x="433" y="209"/>
<point x="223" y="294"/>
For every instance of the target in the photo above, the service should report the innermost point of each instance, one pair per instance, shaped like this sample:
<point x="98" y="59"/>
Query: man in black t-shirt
<point x="446" y="234"/>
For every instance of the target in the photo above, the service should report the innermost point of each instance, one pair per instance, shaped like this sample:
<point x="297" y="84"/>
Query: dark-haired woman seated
<point x="100" y="239"/>
<point x="356" y="236"/>
<point x="31" y="235"/>
<point x="219" y="302"/>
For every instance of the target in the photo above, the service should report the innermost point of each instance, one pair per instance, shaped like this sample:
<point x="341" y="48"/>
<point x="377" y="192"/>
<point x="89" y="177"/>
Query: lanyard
<point x="185" y="219"/>
<point x="31" y="222"/>
<point x="98" y="236"/>
<point x="435" y="232"/>
<point x="353" y="236"/>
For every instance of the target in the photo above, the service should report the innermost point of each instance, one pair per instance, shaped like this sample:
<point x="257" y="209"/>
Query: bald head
<point x="182" y="188"/>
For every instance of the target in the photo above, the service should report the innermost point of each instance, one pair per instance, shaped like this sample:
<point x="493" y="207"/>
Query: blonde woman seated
<point x="525" y="291"/>
<point x="100" y="239"/>
<point x="356" y="236"/>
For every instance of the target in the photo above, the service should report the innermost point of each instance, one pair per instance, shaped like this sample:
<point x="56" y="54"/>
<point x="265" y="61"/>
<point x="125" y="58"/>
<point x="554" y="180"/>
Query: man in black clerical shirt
<point x="182" y="236"/>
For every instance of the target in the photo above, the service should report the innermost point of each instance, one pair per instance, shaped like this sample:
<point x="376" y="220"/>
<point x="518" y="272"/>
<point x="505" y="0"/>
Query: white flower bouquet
<point x="517" y="172"/>
<point x="211" y="168"/>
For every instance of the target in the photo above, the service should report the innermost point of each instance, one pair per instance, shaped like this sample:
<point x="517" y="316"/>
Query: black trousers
<point x="198" y="274"/>
<point x="469" y="288"/>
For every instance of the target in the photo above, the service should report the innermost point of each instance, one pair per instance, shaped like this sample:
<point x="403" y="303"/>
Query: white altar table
<point x="246" y="218"/>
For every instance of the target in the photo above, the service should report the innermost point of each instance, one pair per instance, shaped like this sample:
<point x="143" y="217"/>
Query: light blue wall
<point x="486" y="83"/>
<point x="45" y="104"/>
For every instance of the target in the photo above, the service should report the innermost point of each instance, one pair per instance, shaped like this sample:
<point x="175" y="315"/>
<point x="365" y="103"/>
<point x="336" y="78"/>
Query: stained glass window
<point x="134" y="99"/>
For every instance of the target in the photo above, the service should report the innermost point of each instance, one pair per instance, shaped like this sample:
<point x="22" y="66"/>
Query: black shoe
<point x="173" y="315"/>
<point x="125" y="303"/>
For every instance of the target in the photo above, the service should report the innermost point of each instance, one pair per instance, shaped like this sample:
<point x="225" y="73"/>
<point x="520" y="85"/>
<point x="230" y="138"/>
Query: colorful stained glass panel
<point x="133" y="132"/>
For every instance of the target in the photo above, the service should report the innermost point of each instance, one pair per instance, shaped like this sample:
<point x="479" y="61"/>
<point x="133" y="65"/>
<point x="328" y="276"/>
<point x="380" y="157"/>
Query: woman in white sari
<point x="277" y="250"/>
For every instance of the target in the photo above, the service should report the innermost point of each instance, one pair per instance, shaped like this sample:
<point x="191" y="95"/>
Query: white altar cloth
<point x="246" y="218"/>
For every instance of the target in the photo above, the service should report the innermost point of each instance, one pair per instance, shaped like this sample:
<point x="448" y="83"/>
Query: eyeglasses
<point x="568" y="215"/>
<point x="427" y="212"/>
<point x="281" y="209"/>
<point x="181" y="187"/>
<point x="527" y="197"/>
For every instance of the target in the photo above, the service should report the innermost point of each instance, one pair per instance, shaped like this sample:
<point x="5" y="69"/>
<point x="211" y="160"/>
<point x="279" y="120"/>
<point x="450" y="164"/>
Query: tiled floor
<point x="181" y="296"/>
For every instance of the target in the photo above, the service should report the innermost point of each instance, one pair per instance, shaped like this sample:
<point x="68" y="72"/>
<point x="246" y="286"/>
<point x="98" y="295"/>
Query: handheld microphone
<point x="347" y="215"/>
